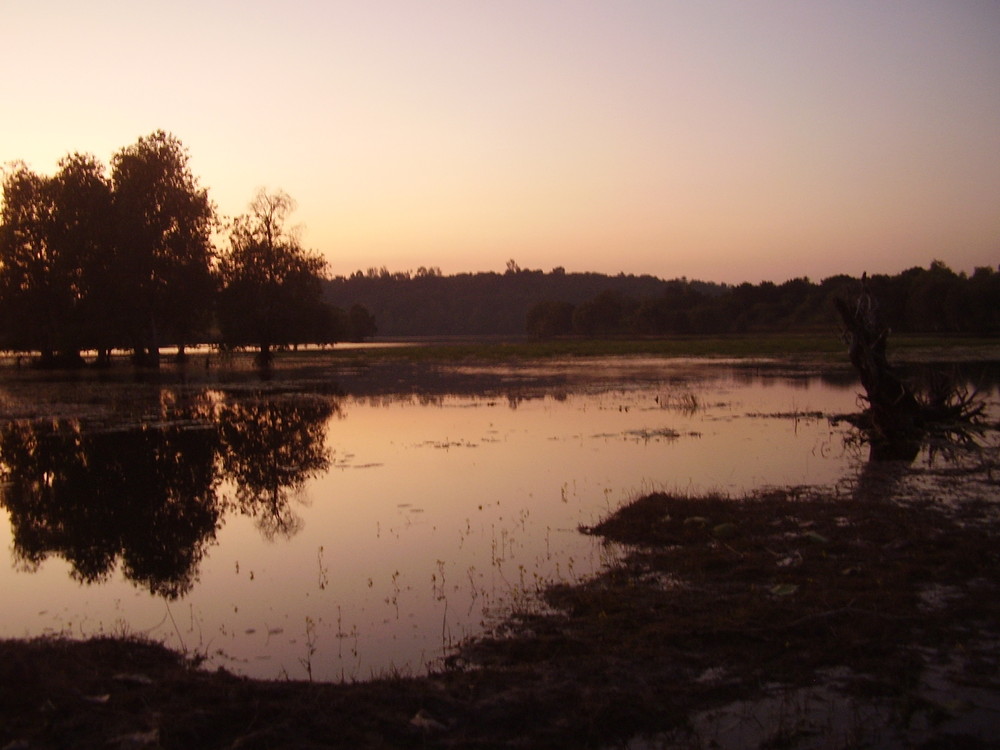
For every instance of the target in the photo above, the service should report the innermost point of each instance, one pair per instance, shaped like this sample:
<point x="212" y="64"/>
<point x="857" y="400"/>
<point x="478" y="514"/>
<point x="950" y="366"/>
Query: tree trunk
<point x="894" y="410"/>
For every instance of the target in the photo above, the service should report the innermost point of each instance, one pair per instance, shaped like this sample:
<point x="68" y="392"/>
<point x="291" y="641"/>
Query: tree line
<point x="426" y="303"/>
<point x="126" y="260"/>
<point x="918" y="300"/>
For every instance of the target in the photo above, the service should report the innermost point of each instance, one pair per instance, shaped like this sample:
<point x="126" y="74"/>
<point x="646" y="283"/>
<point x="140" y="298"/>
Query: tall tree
<point x="271" y="287"/>
<point x="53" y="233"/>
<point x="80" y="232"/>
<point x="25" y="261"/>
<point x="164" y="223"/>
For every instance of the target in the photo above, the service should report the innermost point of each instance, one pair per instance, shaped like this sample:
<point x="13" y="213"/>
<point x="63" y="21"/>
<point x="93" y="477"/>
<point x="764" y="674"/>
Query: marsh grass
<point x="819" y="345"/>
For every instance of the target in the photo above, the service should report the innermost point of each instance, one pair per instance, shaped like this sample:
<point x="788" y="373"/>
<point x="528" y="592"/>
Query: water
<point x="355" y="522"/>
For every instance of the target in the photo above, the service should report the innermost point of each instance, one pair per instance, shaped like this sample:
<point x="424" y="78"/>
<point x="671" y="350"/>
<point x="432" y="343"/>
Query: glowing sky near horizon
<point x="721" y="140"/>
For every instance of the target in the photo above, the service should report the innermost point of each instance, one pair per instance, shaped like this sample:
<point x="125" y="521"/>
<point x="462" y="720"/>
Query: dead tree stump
<point x="894" y="413"/>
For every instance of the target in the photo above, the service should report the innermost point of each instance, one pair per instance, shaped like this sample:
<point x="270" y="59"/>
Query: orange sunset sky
<point x="724" y="140"/>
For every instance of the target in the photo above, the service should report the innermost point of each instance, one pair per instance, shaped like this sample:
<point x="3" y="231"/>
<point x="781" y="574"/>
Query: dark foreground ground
<point x="864" y="618"/>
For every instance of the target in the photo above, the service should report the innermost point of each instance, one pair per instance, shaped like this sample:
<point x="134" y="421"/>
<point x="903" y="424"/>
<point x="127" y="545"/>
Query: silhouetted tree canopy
<point x="360" y="324"/>
<point x="89" y="262"/>
<point x="550" y="318"/>
<point x="163" y="250"/>
<point x="935" y="299"/>
<point x="127" y="261"/>
<point x="53" y="231"/>
<point x="428" y="303"/>
<point x="271" y="287"/>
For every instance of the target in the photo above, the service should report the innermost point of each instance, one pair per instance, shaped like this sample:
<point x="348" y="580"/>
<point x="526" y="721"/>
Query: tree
<point x="606" y="314"/>
<point x="897" y="417"/>
<point x="982" y="301"/>
<point x="549" y="318"/>
<point x="164" y="222"/>
<point x="53" y="235"/>
<point x="25" y="262"/>
<point x="271" y="287"/>
<point x="360" y="324"/>
<point x="80" y="232"/>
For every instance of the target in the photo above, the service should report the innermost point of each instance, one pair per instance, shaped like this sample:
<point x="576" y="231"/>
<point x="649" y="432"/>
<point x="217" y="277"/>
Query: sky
<point x="721" y="140"/>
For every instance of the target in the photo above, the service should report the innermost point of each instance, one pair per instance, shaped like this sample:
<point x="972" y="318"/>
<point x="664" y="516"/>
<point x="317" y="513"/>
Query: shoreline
<point x="785" y="617"/>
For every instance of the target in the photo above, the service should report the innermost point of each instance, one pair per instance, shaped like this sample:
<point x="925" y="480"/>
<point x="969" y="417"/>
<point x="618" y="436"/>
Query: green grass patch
<point x="824" y="347"/>
<point x="730" y="346"/>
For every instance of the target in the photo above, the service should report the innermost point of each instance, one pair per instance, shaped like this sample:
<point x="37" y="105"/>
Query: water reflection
<point x="957" y="442"/>
<point x="147" y="496"/>
<point x="369" y="526"/>
<point x="269" y="449"/>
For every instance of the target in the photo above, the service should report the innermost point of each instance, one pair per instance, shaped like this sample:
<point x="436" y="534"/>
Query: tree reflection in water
<point x="147" y="495"/>
<point x="269" y="449"/>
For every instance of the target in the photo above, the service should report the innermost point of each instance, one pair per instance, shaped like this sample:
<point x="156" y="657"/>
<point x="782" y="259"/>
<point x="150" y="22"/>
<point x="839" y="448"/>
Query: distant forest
<point x="100" y="260"/>
<point x="518" y="301"/>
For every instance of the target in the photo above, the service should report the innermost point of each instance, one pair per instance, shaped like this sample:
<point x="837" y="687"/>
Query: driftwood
<point x="897" y="417"/>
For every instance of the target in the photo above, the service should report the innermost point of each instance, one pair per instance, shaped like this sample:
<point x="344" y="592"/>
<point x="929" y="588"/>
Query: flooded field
<point x="339" y="522"/>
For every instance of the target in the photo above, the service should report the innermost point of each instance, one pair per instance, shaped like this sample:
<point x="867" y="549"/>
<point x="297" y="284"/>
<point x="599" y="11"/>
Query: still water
<point x="344" y="523"/>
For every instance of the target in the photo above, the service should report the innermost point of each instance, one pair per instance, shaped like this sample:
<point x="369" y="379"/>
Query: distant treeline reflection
<point x="152" y="496"/>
